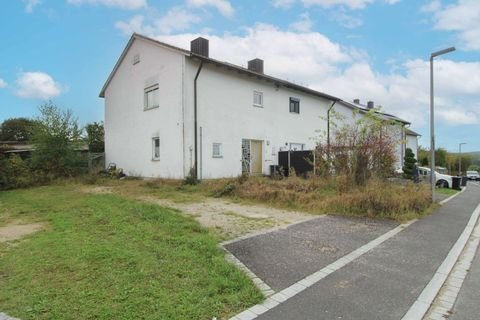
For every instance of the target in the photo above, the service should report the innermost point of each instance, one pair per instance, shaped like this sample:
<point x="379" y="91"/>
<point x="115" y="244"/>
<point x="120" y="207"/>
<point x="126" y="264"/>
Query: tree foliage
<point x="409" y="164"/>
<point x="360" y="150"/>
<point x="56" y="138"/>
<point x="95" y="137"/>
<point x="16" y="129"/>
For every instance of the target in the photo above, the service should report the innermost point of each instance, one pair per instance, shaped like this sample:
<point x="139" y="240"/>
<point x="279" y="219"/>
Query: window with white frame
<point x="151" y="97"/>
<point x="258" y="99"/>
<point x="217" y="150"/>
<point x="156" y="148"/>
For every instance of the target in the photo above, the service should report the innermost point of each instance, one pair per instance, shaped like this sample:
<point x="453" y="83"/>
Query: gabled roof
<point x="409" y="132"/>
<point x="227" y="65"/>
<point x="239" y="69"/>
<point x="363" y="109"/>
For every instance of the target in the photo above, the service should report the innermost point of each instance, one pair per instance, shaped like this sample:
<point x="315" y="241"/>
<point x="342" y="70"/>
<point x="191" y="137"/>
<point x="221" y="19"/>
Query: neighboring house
<point x="170" y="112"/>
<point x="397" y="127"/>
<point x="412" y="141"/>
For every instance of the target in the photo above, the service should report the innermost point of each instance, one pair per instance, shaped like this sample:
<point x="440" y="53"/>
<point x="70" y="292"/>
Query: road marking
<point x="420" y="307"/>
<point x="287" y="293"/>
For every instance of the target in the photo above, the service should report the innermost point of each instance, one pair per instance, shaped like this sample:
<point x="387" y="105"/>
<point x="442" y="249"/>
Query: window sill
<point x="292" y="112"/>
<point x="156" y="160"/>
<point x="217" y="157"/>
<point x="146" y="109"/>
<point x="258" y="105"/>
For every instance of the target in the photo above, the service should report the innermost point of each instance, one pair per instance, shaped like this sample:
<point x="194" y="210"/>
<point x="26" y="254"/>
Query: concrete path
<point x="382" y="284"/>
<point x="467" y="305"/>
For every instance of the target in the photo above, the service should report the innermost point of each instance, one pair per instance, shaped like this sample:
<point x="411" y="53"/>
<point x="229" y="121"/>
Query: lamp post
<point x="460" y="158"/>
<point x="432" y="120"/>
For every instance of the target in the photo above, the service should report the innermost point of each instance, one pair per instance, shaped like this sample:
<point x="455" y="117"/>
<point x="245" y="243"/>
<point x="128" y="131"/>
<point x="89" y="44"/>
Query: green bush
<point x="14" y="173"/>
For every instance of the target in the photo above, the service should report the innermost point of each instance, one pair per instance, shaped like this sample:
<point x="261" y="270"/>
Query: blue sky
<point x="63" y="50"/>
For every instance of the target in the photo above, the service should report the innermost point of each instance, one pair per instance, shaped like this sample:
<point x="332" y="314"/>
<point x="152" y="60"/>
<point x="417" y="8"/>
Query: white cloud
<point x="346" y="20"/>
<point x="431" y="6"/>
<point x="223" y="6"/>
<point x="176" y="19"/>
<point x="284" y="4"/>
<point x="304" y="24"/>
<point x="3" y="84"/>
<point x="124" y="4"/>
<point x="30" y="4"/>
<point x="462" y="18"/>
<point x="37" y="85"/>
<point x="350" y="4"/>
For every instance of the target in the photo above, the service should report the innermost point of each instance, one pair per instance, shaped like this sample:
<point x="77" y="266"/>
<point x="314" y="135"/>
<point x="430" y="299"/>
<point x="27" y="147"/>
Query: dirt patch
<point x="98" y="190"/>
<point x="232" y="220"/>
<point x="14" y="231"/>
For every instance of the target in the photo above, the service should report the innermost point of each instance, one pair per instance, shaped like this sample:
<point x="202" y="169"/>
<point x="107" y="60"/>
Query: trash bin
<point x="456" y="183"/>
<point x="273" y="171"/>
<point x="464" y="181"/>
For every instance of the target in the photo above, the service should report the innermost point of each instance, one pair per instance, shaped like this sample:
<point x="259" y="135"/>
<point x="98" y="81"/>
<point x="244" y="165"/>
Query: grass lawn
<point x="102" y="256"/>
<point x="447" y="191"/>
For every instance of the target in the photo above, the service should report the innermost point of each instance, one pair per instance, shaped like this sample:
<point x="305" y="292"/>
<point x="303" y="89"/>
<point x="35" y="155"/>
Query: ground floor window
<point x="156" y="148"/>
<point x="217" y="150"/>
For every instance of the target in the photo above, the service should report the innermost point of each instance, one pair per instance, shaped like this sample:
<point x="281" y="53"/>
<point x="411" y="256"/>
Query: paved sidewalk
<point x="467" y="306"/>
<point x="385" y="282"/>
<point x="283" y="257"/>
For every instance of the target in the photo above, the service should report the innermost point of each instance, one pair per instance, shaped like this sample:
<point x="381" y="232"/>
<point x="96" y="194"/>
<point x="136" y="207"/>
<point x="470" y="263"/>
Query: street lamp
<point x="432" y="120"/>
<point x="460" y="158"/>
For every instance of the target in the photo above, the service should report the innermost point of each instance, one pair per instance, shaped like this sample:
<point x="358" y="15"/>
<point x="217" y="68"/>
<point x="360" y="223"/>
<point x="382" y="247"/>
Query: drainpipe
<point x="195" y="119"/>
<point x="328" y="128"/>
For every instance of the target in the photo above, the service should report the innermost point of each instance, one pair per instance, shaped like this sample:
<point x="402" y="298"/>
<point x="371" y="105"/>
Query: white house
<point x="412" y="141"/>
<point x="170" y="112"/>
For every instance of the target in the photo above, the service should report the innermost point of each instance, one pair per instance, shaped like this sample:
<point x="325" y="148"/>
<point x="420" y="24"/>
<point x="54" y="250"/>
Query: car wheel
<point x="442" y="184"/>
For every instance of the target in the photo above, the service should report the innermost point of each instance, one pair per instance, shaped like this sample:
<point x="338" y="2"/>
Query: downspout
<point x="328" y="128"/>
<point x="195" y="119"/>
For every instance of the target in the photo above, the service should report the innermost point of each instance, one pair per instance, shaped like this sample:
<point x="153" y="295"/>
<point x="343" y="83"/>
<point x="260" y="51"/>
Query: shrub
<point x="14" y="173"/>
<point x="56" y="137"/>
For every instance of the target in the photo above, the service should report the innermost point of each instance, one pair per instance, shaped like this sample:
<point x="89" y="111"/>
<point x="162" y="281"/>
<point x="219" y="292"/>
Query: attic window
<point x="136" y="59"/>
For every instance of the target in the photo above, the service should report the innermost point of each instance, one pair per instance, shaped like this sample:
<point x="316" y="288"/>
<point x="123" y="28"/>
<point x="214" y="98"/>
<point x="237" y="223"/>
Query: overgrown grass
<point x="105" y="257"/>
<point x="378" y="198"/>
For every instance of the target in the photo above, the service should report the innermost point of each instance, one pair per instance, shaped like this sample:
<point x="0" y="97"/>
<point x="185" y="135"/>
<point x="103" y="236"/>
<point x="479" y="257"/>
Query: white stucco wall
<point x="129" y="128"/>
<point x="412" y="143"/>
<point x="226" y="115"/>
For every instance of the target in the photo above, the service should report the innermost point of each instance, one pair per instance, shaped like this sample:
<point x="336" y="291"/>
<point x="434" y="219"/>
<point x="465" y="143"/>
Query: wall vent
<point x="136" y="59"/>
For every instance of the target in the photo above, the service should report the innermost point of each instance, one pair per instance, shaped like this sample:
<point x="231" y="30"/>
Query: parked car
<point x="441" y="180"/>
<point x="473" y="175"/>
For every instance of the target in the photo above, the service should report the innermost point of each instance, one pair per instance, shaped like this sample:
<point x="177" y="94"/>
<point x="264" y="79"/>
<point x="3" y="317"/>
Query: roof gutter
<point x="195" y="125"/>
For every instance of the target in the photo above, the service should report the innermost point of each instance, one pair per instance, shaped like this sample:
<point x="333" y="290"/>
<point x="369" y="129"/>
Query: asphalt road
<point x="382" y="284"/>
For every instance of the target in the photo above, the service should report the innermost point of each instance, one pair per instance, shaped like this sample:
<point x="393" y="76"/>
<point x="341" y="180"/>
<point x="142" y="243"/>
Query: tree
<point x="16" y="129"/>
<point x="95" y="137"/>
<point x="409" y="164"/>
<point x="360" y="150"/>
<point x="56" y="137"/>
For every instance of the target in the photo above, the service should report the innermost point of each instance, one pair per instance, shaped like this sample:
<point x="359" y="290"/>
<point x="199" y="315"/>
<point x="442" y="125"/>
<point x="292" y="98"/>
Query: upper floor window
<point x="294" y="105"/>
<point x="151" y="97"/>
<point x="258" y="99"/>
